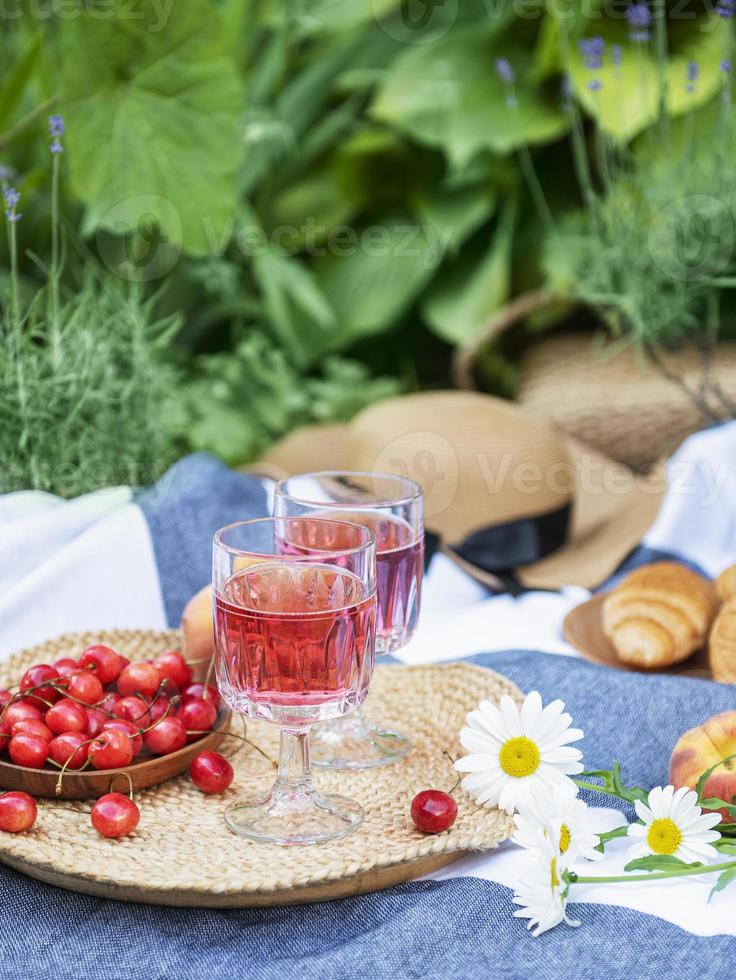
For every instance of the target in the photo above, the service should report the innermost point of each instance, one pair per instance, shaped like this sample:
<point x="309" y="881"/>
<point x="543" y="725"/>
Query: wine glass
<point x="392" y="507"/>
<point x="295" y="643"/>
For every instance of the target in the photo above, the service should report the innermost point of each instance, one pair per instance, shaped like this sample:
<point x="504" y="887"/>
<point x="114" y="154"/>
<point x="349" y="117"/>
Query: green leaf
<point x="613" y="785"/>
<point x="17" y="78"/>
<point x="153" y="121"/>
<point x="464" y="295"/>
<point x="700" y="785"/>
<point x="660" y="862"/>
<point x="628" y="102"/>
<point x="448" y="94"/>
<point x="382" y="270"/>
<point x="724" y="879"/>
<point x="456" y="214"/>
<point x="715" y="803"/>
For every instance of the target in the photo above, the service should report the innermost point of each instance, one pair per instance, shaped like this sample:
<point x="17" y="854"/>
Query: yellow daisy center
<point x="519" y="757"/>
<point x="554" y="880"/>
<point x="664" y="836"/>
<point x="564" y="838"/>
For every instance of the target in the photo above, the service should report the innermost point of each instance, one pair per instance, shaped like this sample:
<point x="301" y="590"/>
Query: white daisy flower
<point x="542" y="891"/>
<point x="515" y="751"/>
<point x="560" y="817"/>
<point x="673" y="823"/>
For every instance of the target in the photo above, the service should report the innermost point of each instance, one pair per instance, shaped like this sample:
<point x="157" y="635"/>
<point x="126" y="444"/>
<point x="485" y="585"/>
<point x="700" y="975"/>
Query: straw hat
<point x="511" y="498"/>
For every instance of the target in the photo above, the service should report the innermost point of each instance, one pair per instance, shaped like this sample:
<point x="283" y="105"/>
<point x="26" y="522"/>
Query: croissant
<point x="726" y="584"/>
<point x="659" y="615"/>
<point x="722" y="647"/>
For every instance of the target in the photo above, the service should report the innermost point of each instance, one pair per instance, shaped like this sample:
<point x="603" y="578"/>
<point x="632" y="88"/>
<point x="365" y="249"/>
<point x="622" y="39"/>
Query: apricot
<point x="198" y="631"/>
<point x="705" y="746"/>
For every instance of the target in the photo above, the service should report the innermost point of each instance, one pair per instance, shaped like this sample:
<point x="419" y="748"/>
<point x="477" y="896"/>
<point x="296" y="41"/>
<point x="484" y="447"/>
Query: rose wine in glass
<point x="392" y="508"/>
<point x="295" y="637"/>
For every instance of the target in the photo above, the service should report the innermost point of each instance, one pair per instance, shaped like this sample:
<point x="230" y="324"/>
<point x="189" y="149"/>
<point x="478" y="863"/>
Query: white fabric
<point x="89" y="564"/>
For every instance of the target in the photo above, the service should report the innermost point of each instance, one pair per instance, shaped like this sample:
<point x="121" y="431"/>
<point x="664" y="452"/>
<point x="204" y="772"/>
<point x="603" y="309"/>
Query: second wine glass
<point x="392" y="507"/>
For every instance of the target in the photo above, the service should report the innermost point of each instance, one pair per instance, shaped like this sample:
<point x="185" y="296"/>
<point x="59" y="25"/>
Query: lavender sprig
<point x="592" y="49"/>
<point x="639" y="19"/>
<point x="508" y="77"/>
<point x="12" y="199"/>
<point x="693" y="71"/>
<point x="726" y="9"/>
<point x="56" y="131"/>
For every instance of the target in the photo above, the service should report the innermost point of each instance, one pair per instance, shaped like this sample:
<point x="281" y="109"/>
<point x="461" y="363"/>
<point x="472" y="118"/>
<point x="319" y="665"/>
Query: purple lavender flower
<point x="595" y="85"/>
<point x="639" y="18"/>
<point x="12" y="199"/>
<point x="56" y="147"/>
<point x="692" y="75"/>
<point x="726" y="9"/>
<point x="592" y="49"/>
<point x="505" y="71"/>
<point x="56" y="126"/>
<point x="726" y="66"/>
<point x="6" y="174"/>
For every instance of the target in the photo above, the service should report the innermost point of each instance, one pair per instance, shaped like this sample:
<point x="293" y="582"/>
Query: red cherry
<point x="85" y="687"/>
<point x="124" y="661"/>
<point x="17" y="812"/>
<point x="127" y="728"/>
<point x="168" y="736"/>
<point x="19" y="710"/>
<point x="197" y="715"/>
<point x="108" y="702"/>
<point x="39" y="675"/>
<point x="110" y="750"/>
<point x="103" y="662"/>
<point x="30" y="751"/>
<point x="69" y="746"/>
<point x="140" y="678"/>
<point x="132" y="709"/>
<point x="211" y="772"/>
<point x="115" y="815"/>
<point x="95" y="720"/>
<point x="31" y="726"/>
<point x="5" y="732"/>
<point x="174" y="666"/>
<point x="433" y="811"/>
<point x="66" y="716"/>
<point x="5" y="698"/>
<point x="66" y="666"/>
<point x="199" y="691"/>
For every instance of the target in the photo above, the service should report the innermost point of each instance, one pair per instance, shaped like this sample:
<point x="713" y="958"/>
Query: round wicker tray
<point x="183" y="854"/>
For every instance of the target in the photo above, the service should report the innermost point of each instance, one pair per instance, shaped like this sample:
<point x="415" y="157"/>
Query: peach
<point x="198" y="631"/>
<point x="703" y="747"/>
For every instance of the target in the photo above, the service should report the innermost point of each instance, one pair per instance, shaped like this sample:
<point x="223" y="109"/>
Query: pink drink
<point x="399" y="565"/>
<point x="294" y="642"/>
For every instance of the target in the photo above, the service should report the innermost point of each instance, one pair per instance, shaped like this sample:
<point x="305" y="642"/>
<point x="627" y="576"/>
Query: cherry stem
<point x="57" y="788"/>
<point x="174" y="700"/>
<point x="242" y="738"/>
<point x="130" y="783"/>
<point x="208" y="677"/>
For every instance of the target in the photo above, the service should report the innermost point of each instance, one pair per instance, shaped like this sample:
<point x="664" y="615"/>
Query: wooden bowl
<point x="583" y="629"/>
<point x="93" y="783"/>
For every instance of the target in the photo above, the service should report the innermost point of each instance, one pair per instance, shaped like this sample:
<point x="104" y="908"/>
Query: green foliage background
<point x="328" y="200"/>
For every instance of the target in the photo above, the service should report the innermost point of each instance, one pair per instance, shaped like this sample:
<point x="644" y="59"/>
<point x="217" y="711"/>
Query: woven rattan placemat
<point x="183" y="854"/>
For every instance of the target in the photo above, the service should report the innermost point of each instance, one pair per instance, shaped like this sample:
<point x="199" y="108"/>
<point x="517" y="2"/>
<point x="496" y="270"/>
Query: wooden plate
<point x="583" y="629"/>
<point x="92" y="784"/>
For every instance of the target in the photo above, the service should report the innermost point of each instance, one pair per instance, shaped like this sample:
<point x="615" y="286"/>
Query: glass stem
<point x="294" y="775"/>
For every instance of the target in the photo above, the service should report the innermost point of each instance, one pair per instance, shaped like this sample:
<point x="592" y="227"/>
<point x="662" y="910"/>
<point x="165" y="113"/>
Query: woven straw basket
<point x="616" y="404"/>
<point x="183" y="854"/>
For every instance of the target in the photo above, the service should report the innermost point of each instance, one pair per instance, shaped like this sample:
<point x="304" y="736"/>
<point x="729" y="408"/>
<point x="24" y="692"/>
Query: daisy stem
<point x="600" y="789"/>
<point x="575" y="879"/>
<point x="612" y="834"/>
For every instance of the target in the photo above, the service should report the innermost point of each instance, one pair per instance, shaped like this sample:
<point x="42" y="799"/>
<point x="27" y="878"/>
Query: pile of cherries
<point x="104" y="712"/>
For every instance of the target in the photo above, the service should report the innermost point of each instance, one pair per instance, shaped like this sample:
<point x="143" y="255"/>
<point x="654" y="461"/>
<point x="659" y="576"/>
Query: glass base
<point x="351" y="743"/>
<point x="295" y="818"/>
